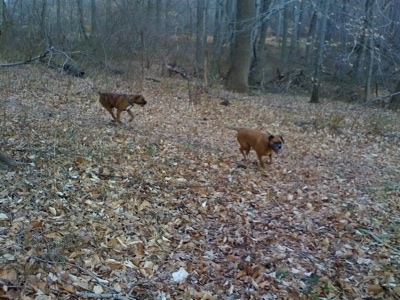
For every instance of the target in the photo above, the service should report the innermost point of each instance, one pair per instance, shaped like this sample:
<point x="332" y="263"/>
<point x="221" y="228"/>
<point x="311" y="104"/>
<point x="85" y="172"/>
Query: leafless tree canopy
<point x="358" y="47"/>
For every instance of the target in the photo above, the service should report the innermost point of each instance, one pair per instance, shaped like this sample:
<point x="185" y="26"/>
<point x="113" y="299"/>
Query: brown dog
<point x="121" y="102"/>
<point x="263" y="144"/>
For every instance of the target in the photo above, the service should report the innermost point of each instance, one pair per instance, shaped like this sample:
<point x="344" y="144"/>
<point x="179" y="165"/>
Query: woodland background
<point x="348" y="45"/>
<point x="164" y="207"/>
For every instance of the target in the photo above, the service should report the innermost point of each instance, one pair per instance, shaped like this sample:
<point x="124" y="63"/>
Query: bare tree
<point x="360" y="46"/>
<point x="158" y="17"/>
<point x="318" y="63"/>
<point x="363" y="37"/>
<point x="242" y="48"/>
<point x="43" y="17"/>
<point x="81" y="19"/>
<point x="343" y="18"/>
<point x="94" y="16"/>
<point x="311" y="35"/>
<point x="218" y="35"/>
<point x="2" y="6"/>
<point x="370" y="46"/>
<point x="395" y="99"/>
<point x="298" y="12"/>
<point x="259" y="62"/>
<point x="58" y="19"/>
<point x="201" y="34"/>
<point x="285" y="27"/>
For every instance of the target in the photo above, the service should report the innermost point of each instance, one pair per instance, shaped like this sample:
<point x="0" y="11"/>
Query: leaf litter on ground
<point x="124" y="210"/>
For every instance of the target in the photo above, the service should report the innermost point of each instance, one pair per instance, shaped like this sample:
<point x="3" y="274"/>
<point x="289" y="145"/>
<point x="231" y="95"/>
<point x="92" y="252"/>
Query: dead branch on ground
<point x="173" y="69"/>
<point x="68" y="66"/>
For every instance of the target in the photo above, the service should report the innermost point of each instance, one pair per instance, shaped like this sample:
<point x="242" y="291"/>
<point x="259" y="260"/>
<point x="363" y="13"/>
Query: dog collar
<point x="130" y="102"/>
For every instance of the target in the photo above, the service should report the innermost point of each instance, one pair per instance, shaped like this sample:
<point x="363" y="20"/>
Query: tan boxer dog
<point x="264" y="144"/>
<point x="122" y="102"/>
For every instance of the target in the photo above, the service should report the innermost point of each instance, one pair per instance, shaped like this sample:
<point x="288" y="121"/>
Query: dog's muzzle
<point x="277" y="147"/>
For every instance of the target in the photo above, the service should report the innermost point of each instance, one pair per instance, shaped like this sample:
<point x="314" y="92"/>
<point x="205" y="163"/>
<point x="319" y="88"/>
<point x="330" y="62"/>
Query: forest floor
<point x="165" y="208"/>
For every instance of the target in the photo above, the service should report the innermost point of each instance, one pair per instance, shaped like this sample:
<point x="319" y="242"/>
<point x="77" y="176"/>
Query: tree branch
<point x="25" y="61"/>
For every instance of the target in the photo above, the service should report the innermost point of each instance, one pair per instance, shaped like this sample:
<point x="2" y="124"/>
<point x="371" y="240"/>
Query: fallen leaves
<point x="161" y="208"/>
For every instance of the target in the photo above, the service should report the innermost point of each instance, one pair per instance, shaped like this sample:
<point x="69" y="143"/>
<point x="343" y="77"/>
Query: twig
<point x="371" y="234"/>
<point x="161" y="184"/>
<point x="99" y="280"/>
<point x="118" y="296"/>
<point x="395" y="251"/>
<point x="102" y="282"/>
<point x="152" y="79"/>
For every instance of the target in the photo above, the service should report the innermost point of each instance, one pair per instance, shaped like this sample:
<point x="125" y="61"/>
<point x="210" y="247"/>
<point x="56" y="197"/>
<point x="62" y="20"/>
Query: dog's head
<point x="276" y="143"/>
<point x="138" y="99"/>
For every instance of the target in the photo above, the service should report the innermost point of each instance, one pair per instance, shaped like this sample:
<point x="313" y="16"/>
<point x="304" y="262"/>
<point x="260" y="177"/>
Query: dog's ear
<point x="137" y="97"/>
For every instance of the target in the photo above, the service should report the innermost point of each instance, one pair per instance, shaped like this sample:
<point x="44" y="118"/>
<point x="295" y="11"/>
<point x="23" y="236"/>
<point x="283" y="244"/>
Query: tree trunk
<point x="285" y="27"/>
<point x="264" y="27"/>
<point x="58" y="21"/>
<point x="278" y="26"/>
<point x="2" y="5"/>
<point x="231" y="13"/>
<point x="318" y="64"/>
<point x="158" y="17"/>
<point x="43" y="16"/>
<point x="237" y="79"/>
<point x="94" y="17"/>
<point x="81" y="19"/>
<point x="361" y="46"/>
<point x="109" y="16"/>
<point x="395" y="99"/>
<point x="310" y="36"/>
<point x="343" y="19"/>
<point x="259" y="58"/>
<point x="298" y="10"/>
<point x="4" y="23"/>
<point x="370" y="49"/>
<point x="167" y="9"/>
<point x="200" y="34"/>
<point x="219" y="25"/>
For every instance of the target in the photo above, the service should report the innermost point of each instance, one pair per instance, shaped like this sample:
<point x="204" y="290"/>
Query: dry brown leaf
<point x="136" y="201"/>
<point x="8" y="275"/>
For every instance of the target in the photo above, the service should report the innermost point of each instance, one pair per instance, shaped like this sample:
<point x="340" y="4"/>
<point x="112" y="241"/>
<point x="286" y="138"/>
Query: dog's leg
<point x="245" y="153"/>
<point x="118" y="116"/>
<point x="108" y="107"/>
<point x="110" y="110"/>
<point x="270" y="158"/>
<point x="260" y="159"/>
<point x="131" y="114"/>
